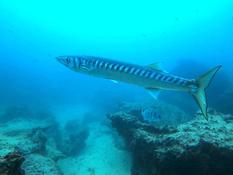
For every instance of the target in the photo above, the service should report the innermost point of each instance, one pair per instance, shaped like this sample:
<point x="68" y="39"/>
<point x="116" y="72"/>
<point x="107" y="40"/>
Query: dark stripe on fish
<point x="181" y="82"/>
<point x="153" y="74"/>
<point x="132" y="70"/>
<point x="111" y="66"/>
<point x="116" y="67"/>
<point x="89" y="62"/>
<point x="127" y="68"/>
<point x="97" y="63"/>
<point x="94" y="63"/>
<point x="176" y="80"/>
<point x="101" y="64"/>
<point x="106" y="65"/>
<point x="168" y="78"/>
<point x="121" y="68"/>
<point x="137" y="72"/>
<point x="158" y="77"/>
<point x="171" y="79"/>
<point x="142" y="71"/>
<point x="74" y="62"/>
<point x="147" y="74"/>
<point x="163" y="78"/>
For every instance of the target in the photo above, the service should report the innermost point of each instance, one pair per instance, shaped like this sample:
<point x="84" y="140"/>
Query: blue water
<point x="32" y="34"/>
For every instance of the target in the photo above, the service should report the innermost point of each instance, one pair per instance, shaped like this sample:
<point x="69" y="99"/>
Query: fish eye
<point x="67" y="60"/>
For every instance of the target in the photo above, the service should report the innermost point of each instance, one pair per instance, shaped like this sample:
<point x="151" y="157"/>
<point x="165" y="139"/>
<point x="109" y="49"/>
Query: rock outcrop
<point x="36" y="164"/>
<point x="197" y="147"/>
<point x="23" y="147"/>
<point x="74" y="138"/>
<point x="32" y="142"/>
<point x="10" y="164"/>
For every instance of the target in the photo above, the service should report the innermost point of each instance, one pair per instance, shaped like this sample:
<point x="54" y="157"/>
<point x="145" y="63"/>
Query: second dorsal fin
<point x="156" y="66"/>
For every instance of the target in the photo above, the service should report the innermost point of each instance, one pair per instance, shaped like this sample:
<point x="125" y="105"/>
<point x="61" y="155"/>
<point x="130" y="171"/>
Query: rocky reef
<point x="196" y="147"/>
<point x="32" y="142"/>
<point x="20" y="141"/>
<point x="37" y="164"/>
<point x="10" y="164"/>
<point x="165" y="113"/>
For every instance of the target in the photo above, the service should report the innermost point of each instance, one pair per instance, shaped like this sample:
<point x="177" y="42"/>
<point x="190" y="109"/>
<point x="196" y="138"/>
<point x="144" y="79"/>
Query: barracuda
<point x="149" y="77"/>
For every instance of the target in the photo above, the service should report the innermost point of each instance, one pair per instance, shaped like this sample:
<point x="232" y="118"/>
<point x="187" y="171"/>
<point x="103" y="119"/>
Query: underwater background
<point x="186" y="37"/>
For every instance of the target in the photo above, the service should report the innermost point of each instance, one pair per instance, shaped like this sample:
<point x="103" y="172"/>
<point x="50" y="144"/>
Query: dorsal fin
<point x="156" y="66"/>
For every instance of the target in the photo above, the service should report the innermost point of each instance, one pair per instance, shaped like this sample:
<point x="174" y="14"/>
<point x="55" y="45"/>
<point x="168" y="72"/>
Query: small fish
<point x="150" y="115"/>
<point x="150" y="77"/>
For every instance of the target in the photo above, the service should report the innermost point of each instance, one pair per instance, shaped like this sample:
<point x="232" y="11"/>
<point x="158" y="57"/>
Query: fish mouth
<point x="62" y="60"/>
<point x="59" y="58"/>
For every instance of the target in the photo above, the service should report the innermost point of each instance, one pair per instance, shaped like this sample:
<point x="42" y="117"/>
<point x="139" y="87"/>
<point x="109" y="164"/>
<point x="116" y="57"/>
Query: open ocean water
<point x="58" y="121"/>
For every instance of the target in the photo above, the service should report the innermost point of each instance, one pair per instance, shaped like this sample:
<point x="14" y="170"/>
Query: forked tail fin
<point x="203" y="82"/>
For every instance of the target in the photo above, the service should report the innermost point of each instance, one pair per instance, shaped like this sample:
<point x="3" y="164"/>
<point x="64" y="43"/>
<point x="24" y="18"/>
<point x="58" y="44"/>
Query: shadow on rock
<point x="74" y="138"/>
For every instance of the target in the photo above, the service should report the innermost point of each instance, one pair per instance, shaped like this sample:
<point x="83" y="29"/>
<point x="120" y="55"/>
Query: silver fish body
<point x="143" y="76"/>
<point x="148" y="77"/>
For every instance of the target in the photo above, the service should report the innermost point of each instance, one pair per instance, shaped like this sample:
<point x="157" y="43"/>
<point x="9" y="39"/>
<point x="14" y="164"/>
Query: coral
<point x="198" y="147"/>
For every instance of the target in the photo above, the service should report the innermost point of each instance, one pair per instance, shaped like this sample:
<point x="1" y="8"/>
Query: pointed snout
<point x="61" y="59"/>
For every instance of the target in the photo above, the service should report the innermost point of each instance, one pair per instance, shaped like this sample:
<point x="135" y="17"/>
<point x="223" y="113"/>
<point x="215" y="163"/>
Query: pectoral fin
<point x="154" y="92"/>
<point x="114" y="81"/>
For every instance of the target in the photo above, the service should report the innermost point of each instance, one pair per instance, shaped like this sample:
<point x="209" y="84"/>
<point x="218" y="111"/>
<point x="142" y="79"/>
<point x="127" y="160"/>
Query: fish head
<point x="71" y="62"/>
<point x="76" y="63"/>
<point x="65" y="60"/>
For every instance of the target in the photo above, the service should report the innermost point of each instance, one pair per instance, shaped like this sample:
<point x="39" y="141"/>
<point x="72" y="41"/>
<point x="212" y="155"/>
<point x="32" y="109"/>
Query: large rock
<point x="22" y="140"/>
<point x="36" y="164"/>
<point x="198" y="147"/>
<point x="74" y="138"/>
<point x="169" y="114"/>
<point x="10" y="164"/>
